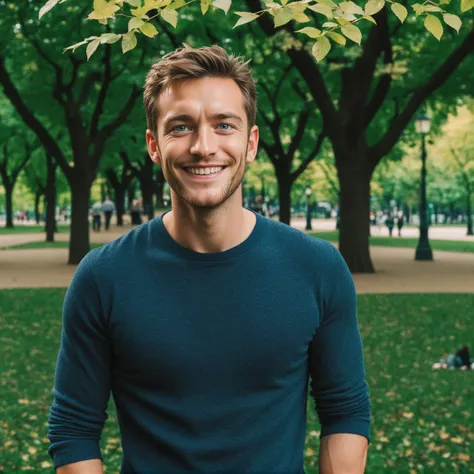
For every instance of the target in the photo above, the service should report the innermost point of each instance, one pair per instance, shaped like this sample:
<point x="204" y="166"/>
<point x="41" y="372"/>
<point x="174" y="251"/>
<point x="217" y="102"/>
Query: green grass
<point x="443" y="245"/>
<point x="30" y="229"/>
<point x="44" y="245"/>
<point x="422" y="419"/>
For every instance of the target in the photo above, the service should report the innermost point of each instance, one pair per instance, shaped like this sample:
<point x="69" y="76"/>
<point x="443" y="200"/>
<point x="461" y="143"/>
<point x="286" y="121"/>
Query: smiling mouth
<point x="204" y="171"/>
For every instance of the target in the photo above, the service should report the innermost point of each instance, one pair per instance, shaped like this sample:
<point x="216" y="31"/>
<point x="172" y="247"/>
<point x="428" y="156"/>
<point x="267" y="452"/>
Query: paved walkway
<point x="397" y="272"/>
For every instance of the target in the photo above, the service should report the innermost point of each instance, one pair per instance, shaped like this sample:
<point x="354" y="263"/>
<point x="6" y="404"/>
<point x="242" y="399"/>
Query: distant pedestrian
<point x="400" y="223"/>
<point x="96" y="216"/>
<point x="136" y="212"/>
<point x="389" y="222"/>
<point x="108" y="207"/>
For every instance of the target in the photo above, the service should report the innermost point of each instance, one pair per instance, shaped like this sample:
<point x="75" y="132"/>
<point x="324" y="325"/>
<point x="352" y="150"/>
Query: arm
<point x="92" y="466"/>
<point x="342" y="454"/>
<point x="338" y="375"/>
<point x="82" y="380"/>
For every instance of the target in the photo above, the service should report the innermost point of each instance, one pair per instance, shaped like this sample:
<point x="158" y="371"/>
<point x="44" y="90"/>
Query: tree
<point x="90" y="99"/>
<point x="13" y="160"/>
<point x="343" y="17"/>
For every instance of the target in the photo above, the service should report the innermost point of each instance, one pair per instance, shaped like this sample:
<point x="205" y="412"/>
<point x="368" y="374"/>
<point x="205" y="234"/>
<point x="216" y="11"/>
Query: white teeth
<point x="204" y="170"/>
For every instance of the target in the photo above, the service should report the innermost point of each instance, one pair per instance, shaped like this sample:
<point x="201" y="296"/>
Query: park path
<point x="397" y="272"/>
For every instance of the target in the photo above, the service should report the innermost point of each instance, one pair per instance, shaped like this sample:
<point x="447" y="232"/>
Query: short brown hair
<point x="194" y="63"/>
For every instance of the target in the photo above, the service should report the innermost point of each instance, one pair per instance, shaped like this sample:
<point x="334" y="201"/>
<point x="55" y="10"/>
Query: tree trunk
<point x="9" y="205"/>
<point x="38" y="195"/>
<point x="147" y="188"/>
<point x="79" y="236"/>
<point x="131" y="193"/>
<point x="284" y="196"/>
<point x="354" y="184"/>
<point x="469" y="214"/>
<point x="120" y="203"/>
<point x="159" y="186"/>
<point x="50" y="198"/>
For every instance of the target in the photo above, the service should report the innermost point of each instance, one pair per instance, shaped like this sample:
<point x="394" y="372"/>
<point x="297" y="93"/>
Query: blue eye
<point x="180" y="127"/>
<point x="228" y="125"/>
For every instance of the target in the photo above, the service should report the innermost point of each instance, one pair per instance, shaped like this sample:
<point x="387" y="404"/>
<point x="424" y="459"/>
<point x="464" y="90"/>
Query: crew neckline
<point x="166" y="239"/>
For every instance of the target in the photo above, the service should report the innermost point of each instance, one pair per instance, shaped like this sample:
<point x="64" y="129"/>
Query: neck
<point x="209" y="230"/>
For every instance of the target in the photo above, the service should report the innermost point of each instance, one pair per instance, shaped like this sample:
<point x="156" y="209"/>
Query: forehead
<point x="193" y="96"/>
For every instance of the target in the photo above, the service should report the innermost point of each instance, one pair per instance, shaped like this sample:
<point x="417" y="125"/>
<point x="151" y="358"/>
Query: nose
<point x="204" y="142"/>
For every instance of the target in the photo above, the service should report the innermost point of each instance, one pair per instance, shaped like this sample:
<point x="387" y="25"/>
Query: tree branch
<point x="434" y="81"/>
<point x="99" y="107"/>
<point x="304" y="164"/>
<point x="269" y="151"/>
<point x="300" y="128"/>
<point x="31" y="121"/>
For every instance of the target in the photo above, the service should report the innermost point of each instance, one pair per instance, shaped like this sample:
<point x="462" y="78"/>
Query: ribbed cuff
<point x="351" y="426"/>
<point x="74" y="450"/>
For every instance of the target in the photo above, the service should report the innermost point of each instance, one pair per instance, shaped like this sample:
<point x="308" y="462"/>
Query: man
<point x="206" y="322"/>
<point x="96" y="216"/>
<point x="108" y="207"/>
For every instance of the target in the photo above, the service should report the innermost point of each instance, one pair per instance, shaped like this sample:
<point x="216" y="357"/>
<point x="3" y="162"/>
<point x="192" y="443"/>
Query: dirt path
<point x="397" y="272"/>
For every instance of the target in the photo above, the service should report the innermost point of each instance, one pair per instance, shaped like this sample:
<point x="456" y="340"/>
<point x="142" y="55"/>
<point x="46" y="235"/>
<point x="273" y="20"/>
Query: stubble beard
<point x="211" y="202"/>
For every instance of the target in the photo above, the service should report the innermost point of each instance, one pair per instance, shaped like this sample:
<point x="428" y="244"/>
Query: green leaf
<point x="245" y="17"/>
<point x="434" y="26"/>
<point x="205" y="6"/>
<point x="330" y="24"/>
<point x="75" y="46"/>
<point x="329" y="3"/>
<point x="400" y="11"/>
<point x="321" y="48"/>
<point x="135" y="23"/>
<point x="374" y="6"/>
<point x="419" y="9"/>
<point x="432" y="9"/>
<point x="149" y="30"/>
<point x="103" y="10"/>
<point x="351" y="8"/>
<point x="310" y="31"/>
<point x="170" y="16"/>
<point x="129" y="41"/>
<point x="336" y="37"/>
<point x="301" y="18"/>
<point x="283" y="16"/>
<point x="342" y="21"/>
<point x="109" y="38"/>
<point x="453" y="21"/>
<point x="352" y="32"/>
<point x="325" y="10"/>
<point x="91" y="48"/>
<point x="369" y="18"/>
<point x="222" y="5"/>
<point x="47" y="7"/>
<point x="466" y="5"/>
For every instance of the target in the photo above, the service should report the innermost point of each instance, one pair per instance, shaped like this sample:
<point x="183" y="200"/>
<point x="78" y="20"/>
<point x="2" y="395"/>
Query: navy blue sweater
<point x="208" y="355"/>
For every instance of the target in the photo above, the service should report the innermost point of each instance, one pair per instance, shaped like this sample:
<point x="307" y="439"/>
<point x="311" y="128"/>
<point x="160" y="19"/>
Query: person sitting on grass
<point x="459" y="360"/>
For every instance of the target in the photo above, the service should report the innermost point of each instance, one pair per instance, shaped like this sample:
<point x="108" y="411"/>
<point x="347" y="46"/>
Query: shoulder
<point x="298" y="243"/>
<point x="122" y="252"/>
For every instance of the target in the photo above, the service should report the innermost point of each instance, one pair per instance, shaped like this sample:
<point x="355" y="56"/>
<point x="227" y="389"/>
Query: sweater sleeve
<point x="336" y="362"/>
<point x="82" y="380"/>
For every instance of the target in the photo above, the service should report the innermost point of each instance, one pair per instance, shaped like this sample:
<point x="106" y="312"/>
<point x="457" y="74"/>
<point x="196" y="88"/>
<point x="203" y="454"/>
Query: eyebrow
<point x="186" y="117"/>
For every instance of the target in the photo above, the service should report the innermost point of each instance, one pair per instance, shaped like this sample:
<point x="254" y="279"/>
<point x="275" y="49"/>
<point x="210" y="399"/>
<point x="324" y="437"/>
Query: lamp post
<point x="423" y="249"/>
<point x="308" y="209"/>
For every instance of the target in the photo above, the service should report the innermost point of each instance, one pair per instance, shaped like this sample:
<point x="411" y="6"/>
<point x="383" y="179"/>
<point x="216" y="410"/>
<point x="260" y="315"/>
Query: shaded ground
<point x="397" y="272"/>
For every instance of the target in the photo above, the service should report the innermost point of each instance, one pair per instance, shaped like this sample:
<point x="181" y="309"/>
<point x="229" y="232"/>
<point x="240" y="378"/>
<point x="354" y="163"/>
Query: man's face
<point x="203" y="143"/>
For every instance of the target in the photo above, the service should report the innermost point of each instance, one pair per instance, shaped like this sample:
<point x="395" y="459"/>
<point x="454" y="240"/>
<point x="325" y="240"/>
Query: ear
<point x="252" y="146"/>
<point x="153" y="149"/>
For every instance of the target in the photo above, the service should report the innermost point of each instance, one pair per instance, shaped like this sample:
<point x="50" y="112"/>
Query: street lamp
<point x="423" y="249"/>
<point x="308" y="209"/>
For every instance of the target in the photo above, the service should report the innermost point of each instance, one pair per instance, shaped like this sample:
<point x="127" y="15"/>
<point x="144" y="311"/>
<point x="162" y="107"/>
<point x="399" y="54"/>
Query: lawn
<point x="423" y="420"/>
<point x="44" y="245"/>
<point x="29" y="229"/>
<point x="443" y="245"/>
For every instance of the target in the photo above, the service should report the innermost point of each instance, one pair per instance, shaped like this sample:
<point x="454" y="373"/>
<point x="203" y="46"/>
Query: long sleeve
<point x="82" y="380"/>
<point x="336" y="362"/>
